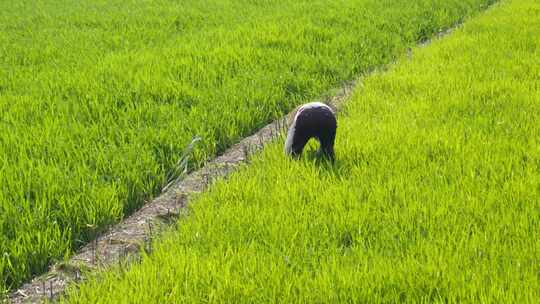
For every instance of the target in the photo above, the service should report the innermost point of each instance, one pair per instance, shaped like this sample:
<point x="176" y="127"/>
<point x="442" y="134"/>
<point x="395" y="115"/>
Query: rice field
<point x="98" y="99"/>
<point x="434" y="196"/>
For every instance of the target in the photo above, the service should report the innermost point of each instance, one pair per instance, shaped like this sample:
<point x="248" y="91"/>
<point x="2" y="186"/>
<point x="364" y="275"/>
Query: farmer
<point x="314" y="119"/>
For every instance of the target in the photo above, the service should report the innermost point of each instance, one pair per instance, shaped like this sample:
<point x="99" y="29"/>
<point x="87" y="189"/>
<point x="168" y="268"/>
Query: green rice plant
<point x="434" y="196"/>
<point x="98" y="99"/>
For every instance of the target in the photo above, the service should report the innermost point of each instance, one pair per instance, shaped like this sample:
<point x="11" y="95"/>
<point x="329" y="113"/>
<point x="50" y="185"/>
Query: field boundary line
<point x="124" y="241"/>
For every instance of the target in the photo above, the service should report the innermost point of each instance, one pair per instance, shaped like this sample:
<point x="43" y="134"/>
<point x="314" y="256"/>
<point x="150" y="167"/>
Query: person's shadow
<point x="337" y="167"/>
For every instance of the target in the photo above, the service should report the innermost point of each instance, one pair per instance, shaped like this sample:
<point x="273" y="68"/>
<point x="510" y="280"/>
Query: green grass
<point x="434" y="196"/>
<point x="98" y="99"/>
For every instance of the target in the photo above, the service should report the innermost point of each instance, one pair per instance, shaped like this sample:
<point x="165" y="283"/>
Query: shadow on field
<point x="340" y="167"/>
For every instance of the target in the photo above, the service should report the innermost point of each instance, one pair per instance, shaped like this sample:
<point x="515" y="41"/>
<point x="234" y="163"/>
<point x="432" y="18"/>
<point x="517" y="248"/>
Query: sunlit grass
<point x="98" y="99"/>
<point x="434" y="196"/>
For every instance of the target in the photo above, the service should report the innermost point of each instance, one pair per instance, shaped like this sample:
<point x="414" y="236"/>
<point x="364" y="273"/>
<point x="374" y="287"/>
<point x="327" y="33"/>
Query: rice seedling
<point x="98" y="99"/>
<point x="434" y="195"/>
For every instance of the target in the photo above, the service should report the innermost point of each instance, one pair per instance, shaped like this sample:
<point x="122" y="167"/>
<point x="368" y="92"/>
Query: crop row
<point x="434" y="195"/>
<point x="98" y="99"/>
